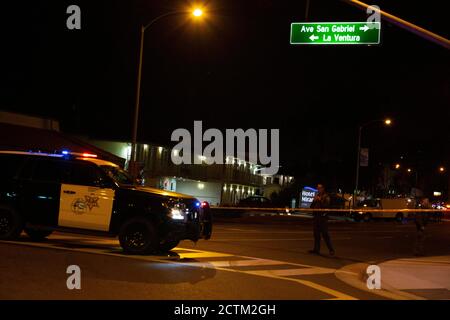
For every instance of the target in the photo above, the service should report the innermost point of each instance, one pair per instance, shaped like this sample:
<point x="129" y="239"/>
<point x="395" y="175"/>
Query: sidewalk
<point x="424" y="278"/>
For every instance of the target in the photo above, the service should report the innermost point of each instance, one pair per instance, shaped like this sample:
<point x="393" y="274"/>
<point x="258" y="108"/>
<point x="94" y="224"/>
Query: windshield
<point x="118" y="175"/>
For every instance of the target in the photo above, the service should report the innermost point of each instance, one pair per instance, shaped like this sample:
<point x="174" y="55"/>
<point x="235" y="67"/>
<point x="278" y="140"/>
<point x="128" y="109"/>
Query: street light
<point x="196" y="13"/>
<point x="441" y="169"/>
<point x="387" y="122"/>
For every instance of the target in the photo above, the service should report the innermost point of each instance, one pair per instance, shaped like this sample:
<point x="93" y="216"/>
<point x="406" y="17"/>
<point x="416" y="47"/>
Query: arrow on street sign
<point x="336" y="33"/>
<point x="365" y="28"/>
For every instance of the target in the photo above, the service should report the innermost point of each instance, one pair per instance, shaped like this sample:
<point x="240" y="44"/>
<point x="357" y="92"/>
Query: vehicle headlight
<point x="176" y="214"/>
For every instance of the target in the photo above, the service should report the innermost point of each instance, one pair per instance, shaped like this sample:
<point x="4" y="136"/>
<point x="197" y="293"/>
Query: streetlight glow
<point x="387" y="122"/>
<point x="197" y="12"/>
<point x="397" y="166"/>
<point x="441" y="169"/>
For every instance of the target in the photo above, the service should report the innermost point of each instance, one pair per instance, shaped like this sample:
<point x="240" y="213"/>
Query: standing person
<point x="421" y="219"/>
<point x="320" y="220"/>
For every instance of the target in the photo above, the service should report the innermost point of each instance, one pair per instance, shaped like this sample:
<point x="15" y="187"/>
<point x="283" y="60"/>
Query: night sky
<point x="235" y="69"/>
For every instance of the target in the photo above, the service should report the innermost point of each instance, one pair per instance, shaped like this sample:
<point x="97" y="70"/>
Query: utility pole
<point x="307" y="10"/>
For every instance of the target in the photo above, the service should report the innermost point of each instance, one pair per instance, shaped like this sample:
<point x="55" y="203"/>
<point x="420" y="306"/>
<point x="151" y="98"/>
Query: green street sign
<point x="335" y="33"/>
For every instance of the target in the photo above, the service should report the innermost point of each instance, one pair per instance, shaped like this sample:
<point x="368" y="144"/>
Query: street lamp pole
<point x="307" y="10"/>
<point x="358" y="159"/>
<point x="132" y="165"/>
<point x="358" y="163"/>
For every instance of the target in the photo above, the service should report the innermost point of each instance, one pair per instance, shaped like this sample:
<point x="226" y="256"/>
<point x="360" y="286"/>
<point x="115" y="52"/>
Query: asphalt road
<point x="252" y="260"/>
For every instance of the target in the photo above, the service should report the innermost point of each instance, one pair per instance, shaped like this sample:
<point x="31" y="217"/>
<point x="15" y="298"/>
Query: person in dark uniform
<point x="320" y="221"/>
<point x="421" y="220"/>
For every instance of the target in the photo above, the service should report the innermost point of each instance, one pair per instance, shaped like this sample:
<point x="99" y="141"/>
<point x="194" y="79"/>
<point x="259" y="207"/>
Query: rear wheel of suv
<point x="167" y="246"/>
<point x="138" y="236"/>
<point x="36" y="234"/>
<point x="11" y="223"/>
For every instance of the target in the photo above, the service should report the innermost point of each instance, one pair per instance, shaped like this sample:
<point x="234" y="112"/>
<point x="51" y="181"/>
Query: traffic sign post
<point x="335" y="33"/>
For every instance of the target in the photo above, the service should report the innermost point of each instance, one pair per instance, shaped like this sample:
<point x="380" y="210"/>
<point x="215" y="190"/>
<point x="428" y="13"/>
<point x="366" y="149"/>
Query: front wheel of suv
<point x="138" y="236"/>
<point x="11" y="223"/>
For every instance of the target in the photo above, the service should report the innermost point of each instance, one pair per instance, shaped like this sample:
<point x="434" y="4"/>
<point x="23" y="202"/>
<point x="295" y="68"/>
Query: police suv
<point x="79" y="193"/>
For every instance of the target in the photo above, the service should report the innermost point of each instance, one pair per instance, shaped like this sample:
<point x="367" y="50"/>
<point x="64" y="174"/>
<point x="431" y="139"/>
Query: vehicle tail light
<point x="205" y="205"/>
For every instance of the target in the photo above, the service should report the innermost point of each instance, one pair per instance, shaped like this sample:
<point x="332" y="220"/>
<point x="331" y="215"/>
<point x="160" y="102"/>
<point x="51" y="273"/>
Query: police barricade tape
<point x="285" y="209"/>
<point x="334" y="213"/>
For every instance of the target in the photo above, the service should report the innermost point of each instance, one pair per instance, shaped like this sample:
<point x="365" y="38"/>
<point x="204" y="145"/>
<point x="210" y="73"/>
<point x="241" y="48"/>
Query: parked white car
<point x="388" y="204"/>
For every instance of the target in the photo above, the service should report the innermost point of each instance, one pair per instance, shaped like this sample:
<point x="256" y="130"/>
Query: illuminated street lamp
<point x="387" y="122"/>
<point x="196" y="13"/>
<point x="397" y="166"/>
<point x="441" y="169"/>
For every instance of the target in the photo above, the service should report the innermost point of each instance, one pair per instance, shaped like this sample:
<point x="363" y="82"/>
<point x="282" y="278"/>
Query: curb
<point x="355" y="275"/>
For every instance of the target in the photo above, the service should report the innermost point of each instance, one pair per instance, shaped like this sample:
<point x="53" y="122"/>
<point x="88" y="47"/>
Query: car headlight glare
<point x="176" y="214"/>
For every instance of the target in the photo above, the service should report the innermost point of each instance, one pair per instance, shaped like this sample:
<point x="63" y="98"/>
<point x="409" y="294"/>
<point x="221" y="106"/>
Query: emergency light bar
<point x="57" y="155"/>
<point x="79" y="154"/>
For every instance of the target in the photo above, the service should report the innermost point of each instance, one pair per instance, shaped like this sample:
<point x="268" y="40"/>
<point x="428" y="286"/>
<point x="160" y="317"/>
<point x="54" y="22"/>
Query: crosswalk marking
<point x="292" y="272"/>
<point x="234" y="263"/>
<point x="183" y="256"/>
<point x="204" y="254"/>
